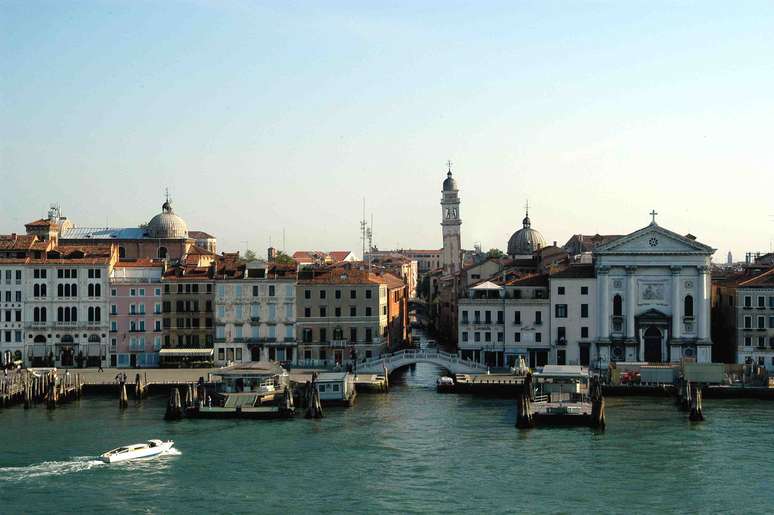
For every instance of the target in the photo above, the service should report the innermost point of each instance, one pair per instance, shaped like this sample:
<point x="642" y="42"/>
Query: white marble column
<point x="604" y="302"/>
<point x="703" y="313"/>
<point x="676" y="303"/>
<point x="630" y="300"/>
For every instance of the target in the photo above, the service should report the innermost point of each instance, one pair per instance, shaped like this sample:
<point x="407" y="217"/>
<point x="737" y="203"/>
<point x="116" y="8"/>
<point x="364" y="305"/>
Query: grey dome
<point x="167" y="225"/>
<point x="525" y="241"/>
<point x="449" y="184"/>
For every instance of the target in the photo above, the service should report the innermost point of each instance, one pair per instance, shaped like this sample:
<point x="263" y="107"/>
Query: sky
<point x="271" y="117"/>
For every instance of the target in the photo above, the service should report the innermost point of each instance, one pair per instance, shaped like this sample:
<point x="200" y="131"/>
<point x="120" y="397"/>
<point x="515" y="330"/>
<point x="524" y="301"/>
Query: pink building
<point x="135" y="313"/>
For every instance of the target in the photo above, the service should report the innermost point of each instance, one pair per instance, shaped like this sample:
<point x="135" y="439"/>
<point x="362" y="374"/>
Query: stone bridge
<point x="396" y="360"/>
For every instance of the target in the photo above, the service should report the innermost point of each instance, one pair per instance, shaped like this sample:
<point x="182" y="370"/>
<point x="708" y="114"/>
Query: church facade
<point x="653" y="298"/>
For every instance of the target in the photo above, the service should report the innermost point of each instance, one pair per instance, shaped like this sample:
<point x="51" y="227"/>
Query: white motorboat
<point x="137" y="451"/>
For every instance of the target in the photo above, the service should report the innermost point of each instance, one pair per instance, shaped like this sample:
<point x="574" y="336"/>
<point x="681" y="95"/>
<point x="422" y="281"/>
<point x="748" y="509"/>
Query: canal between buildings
<point x="408" y="451"/>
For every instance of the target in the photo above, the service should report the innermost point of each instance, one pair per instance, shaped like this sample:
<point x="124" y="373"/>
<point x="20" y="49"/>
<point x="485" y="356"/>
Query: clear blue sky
<point x="261" y="116"/>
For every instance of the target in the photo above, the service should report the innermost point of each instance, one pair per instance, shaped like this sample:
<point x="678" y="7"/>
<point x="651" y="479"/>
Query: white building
<point x="66" y="306"/>
<point x="653" y="297"/>
<point x="573" y="315"/>
<point x="500" y="323"/>
<point x="11" y="312"/>
<point x="255" y="313"/>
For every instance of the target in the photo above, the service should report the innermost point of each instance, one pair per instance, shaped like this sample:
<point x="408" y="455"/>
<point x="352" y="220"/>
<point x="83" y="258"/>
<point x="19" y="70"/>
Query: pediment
<point x="654" y="239"/>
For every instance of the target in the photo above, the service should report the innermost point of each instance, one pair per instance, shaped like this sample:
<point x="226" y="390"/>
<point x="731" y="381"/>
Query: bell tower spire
<point x="451" y="254"/>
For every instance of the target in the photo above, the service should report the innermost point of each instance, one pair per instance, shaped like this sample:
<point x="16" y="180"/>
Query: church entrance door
<point x="652" y="339"/>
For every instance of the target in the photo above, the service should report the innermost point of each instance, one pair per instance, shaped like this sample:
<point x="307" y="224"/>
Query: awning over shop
<point x="186" y="352"/>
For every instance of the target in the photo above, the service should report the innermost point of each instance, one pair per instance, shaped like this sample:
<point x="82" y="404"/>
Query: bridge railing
<point x="410" y="355"/>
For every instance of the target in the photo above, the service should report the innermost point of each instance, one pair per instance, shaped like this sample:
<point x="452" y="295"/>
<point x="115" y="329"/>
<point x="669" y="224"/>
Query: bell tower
<point x="451" y="254"/>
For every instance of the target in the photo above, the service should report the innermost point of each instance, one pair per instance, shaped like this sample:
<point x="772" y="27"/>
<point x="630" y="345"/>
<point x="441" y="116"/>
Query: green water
<point x="410" y="451"/>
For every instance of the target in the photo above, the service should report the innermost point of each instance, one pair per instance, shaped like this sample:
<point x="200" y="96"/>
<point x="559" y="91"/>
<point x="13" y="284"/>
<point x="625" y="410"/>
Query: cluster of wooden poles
<point x="177" y="405"/>
<point x="51" y="388"/>
<point x="312" y="399"/>
<point x="689" y="399"/>
<point x="140" y="390"/>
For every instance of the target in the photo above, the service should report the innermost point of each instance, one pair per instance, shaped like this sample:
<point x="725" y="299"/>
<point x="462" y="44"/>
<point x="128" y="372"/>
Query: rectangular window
<point x="584" y="332"/>
<point x="516" y="337"/>
<point x="337" y="294"/>
<point x="272" y="312"/>
<point x="477" y="317"/>
<point x="352" y="294"/>
<point x="132" y="292"/>
<point x="748" y="322"/>
<point x="464" y="336"/>
<point x="487" y="317"/>
<point x="538" y="337"/>
<point x="368" y="294"/>
<point x="561" y="333"/>
<point x="238" y="331"/>
<point x="584" y="310"/>
<point x="464" y="317"/>
<point x="322" y="294"/>
<point x="747" y="301"/>
<point x="500" y="337"/>
<point x="352" y="311"/>
<point x="323" y="312"/>
<point x="561" y="310"/>
<point x="584" y="290"/>
<point x="221" y="311"/>
<point x="761" y="301"/>
<point x="538" y="317"/>
<point x="307" y="294"/>
<point x="747" y="341"/>
<point x="353" y="334"/>
<point x="307" y="312"/>
<point x="517" y="317"/>
<point x="238" y="291"/>
<point x="477" y="336"/>
<point x="368" y="311"/>
<point x="487" y="336"/>
<point x="761" y="322"/>
<point x="142" y="292"/>
<point x="500" y="318"/>
<point x="560" y="290"/>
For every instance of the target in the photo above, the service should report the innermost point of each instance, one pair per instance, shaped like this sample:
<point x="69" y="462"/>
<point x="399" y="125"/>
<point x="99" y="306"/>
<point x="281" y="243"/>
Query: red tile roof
<point x="764" y="280"/>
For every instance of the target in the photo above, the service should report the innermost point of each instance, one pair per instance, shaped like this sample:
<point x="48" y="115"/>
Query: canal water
<point x="409" y="451"/>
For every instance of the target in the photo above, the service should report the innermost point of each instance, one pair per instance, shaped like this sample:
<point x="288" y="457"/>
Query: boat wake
<point x="171" y="452"/>
<point x="49" y="468"/>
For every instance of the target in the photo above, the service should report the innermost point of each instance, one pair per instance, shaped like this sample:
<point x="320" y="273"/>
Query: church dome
<point x="526" y="240"/>
<point x="449" y="184"/>
<point x="167" y="225"/>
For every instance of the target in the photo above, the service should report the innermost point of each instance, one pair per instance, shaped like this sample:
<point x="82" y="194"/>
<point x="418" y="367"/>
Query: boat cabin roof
<point x="331" y="377"/>
<point x="563" y="371"/>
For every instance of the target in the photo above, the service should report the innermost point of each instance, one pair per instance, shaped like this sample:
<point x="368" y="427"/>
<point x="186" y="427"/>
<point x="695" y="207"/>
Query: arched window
<point x="94" y="338"/>
<point x="59" y="315"/>
<point x="338" y="333"/>
<point x="66" y="314"/>
<point x="97" y="290"/>
<point x="40" y="339"/>
<point x="42" y="314"/>
<point x="75" y="290"/>
<point x="162" y="252"/>
<point x="688" y="306"/>
<point x="97" y="314"/>
<point x="67" y="290"/>
<point x="74" y="314"/>
<point x="36" y="315"/>
<point x="43" y="290"/>
<point x="36" y="291"/>
<point x="60" y="290"/>
<point x="91" y="314"/>
<point x="121" y="253"/>
<point x="617" y="306"/>
<point x="91" y="290"/>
